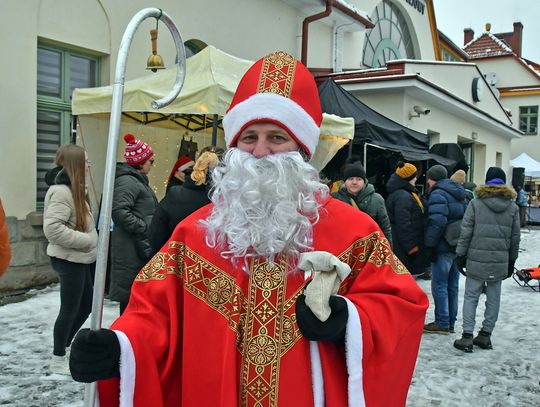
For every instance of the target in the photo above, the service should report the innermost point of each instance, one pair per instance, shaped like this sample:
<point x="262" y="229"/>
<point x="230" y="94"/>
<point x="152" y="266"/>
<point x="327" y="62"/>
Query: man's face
<point x="354" y="185"/>
<point x="431" y="182"/>
<point x="262" y="139"/>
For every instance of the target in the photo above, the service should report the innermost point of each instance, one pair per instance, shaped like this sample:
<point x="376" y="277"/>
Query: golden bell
<point x="155" y="61"/>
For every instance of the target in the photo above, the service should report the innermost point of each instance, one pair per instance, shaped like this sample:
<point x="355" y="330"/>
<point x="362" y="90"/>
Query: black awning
<point x="372" y="127"/>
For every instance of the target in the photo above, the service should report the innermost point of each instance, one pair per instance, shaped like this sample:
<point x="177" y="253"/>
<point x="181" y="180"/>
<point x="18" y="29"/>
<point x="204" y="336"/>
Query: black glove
<point x="95" y="355"/>
<point x="430" y="254"/>
<point x="312" y="328"/>
<point x="461" y="262"/>
<point x="511" y="265"/>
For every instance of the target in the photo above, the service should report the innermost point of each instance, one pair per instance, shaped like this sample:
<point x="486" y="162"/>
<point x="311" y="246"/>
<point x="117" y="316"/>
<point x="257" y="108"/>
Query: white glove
<point x="328" y="273"/>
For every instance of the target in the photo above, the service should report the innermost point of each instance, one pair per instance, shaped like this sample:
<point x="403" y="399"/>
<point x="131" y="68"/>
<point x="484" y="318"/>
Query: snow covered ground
<point x="508" y="375"/>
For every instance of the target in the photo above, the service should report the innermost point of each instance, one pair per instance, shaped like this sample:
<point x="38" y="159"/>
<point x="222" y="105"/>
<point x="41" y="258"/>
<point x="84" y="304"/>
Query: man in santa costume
<point x="275" y="294"/>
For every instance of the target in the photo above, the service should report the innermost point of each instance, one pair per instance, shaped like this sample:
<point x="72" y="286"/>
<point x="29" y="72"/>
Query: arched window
<point x="389" y="39"/>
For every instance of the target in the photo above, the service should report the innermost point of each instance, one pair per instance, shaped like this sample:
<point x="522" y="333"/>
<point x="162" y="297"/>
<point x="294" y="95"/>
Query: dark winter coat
<point x="133" y="206"/>
<point x="179" y="202"/>
<point x="407" y="220"/>
<point x="370" y="202"/>
<point x="490" y="233"/>
<point x="446" y="205"/>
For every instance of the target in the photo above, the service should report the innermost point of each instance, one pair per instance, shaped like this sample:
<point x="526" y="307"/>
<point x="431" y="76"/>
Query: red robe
<point x="206" y="333"/>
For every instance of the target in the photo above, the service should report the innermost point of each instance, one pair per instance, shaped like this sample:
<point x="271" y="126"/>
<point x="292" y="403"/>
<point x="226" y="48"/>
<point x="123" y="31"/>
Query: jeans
<point x="473" y="289"/>
<point x="445" y="288"/>
<point x="75" y="301"/>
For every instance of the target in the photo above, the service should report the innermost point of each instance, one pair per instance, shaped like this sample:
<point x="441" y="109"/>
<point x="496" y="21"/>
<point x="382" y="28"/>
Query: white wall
<point x="529" y="144"/>
<point x="509" y="71"/>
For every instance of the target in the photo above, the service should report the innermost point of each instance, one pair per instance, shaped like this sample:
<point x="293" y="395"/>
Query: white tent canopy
<point x="210" y="82"/>
<point x="532" y="167"/>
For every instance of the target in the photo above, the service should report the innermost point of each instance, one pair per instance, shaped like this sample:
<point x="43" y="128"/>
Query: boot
<point x="59" y="365"/>
<point x="465" y="343"/>
<point x="483" y="340"/>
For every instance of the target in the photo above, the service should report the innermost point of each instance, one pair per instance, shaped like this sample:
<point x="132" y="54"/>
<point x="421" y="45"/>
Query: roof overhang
<point x="349" y="17"/>
<point x="423" y="89"/>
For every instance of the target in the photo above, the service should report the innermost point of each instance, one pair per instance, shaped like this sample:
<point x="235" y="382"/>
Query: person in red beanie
<point x="275" y="294"/>
<point x="178" y="173"/>
<point x="134" y="203"/>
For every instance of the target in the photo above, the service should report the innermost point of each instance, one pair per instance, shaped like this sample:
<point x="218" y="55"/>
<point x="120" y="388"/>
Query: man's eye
<point x="247" y="139"/>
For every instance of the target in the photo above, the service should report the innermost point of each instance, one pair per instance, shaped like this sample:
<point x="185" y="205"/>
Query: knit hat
<point x="183" y="163"/>
<point x="437" y="173"/>
<point x="276" y="89"/>
<point x="407" y="171"/>
<point x="459" y="176"/>
<point x="495" y="173"/>
<point x="137" y="152"/>
<point x="354" y="170"/>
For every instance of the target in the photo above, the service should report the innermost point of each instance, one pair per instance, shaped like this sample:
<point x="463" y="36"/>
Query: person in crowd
<point x="358" y="192"/>
<point x="134" y="203"/>
<point x="181" y="201"/>
<point x="487" y="251"/>
<point x="407" y="212"/>
<point x="470" y="187"/>
<point x="222" y="316"/>
<point x="178" y="173"/>
<point x="522" y="203"/>
<point x="70" y="230"/>
<point x="5" y="248"/>
<point x="446" y="208"/>
<point x="459" y="176"/>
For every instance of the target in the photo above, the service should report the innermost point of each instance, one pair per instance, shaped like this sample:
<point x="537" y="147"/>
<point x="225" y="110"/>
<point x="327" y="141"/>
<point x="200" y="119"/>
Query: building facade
<point x="391" y="51"/>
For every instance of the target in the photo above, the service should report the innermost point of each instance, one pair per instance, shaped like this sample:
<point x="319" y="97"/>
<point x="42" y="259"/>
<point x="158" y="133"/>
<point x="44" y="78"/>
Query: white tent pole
<point x="110" y="163"/>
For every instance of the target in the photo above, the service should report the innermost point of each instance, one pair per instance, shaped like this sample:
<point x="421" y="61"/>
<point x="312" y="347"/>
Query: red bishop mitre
<point x="277" y="89"/>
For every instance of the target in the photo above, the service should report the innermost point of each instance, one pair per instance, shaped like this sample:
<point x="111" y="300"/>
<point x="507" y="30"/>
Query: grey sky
<point x="455" y="15"/>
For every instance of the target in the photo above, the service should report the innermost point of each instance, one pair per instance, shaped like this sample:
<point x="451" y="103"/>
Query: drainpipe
<point x="305" y="29"/>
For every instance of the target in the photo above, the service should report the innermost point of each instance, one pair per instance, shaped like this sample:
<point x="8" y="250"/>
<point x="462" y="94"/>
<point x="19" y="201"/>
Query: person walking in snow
<point x="70" y="230"/>
<point x="356" y="191"/>
<point x="487" y="251"/>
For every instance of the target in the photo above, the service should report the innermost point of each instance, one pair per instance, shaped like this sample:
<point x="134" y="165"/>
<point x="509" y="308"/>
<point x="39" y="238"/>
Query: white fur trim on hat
<point x="185" y="166"/>
<point x="275" y="108"/>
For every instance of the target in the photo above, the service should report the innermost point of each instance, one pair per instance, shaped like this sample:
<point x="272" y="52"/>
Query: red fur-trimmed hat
<point x="183" y="163"/>
<point x="277" y="89"/>
<point x="137" y="152"/>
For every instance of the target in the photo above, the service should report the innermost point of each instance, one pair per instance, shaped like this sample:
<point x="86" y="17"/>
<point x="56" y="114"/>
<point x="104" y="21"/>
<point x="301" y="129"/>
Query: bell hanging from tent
<point x="155" y="61"/>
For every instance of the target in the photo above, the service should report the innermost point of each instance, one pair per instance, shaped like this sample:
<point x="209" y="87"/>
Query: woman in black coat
<point x="407" y="212"/>
<point x="181" y="201"/>
<point x="134" y="203"/>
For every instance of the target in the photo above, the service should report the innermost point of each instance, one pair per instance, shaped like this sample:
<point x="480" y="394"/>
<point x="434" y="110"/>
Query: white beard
<point x="263" y="206"/>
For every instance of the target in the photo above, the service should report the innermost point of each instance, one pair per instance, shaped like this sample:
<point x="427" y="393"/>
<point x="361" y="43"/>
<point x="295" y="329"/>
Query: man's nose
<point x="261" y="149"/>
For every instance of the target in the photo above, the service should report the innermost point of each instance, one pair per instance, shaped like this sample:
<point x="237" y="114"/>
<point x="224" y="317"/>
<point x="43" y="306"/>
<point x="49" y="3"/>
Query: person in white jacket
<point x="70" y="230"/>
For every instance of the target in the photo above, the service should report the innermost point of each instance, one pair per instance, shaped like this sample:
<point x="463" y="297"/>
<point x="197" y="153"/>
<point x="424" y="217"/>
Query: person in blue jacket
<point x="446" y="205"/>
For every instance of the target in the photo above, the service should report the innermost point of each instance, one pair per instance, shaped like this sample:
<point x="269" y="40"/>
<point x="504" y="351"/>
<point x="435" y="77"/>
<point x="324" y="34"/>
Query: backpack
<point x="451" y="233"/>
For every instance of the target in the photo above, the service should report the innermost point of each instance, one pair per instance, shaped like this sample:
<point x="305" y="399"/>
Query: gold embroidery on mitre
<point x="163" y="264"/>
<point x="277" y="74"/>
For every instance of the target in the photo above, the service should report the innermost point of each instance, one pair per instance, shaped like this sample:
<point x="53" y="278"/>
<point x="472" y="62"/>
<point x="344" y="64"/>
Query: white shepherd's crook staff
<point x="112" y="146"/>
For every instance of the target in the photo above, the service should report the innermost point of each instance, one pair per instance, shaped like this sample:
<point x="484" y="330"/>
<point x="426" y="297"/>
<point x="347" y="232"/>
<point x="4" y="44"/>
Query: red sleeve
<point x="392" y="309"/>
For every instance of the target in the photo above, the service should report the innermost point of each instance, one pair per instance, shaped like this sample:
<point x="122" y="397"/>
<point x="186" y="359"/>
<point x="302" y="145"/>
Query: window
<point x="389" y="39"/>
<point x="528" y="119"/>
<point x="59" y="72"/>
